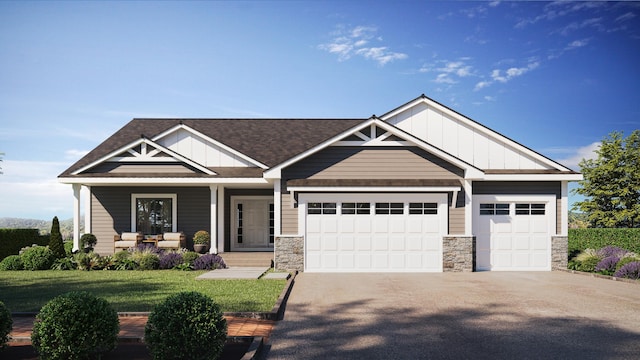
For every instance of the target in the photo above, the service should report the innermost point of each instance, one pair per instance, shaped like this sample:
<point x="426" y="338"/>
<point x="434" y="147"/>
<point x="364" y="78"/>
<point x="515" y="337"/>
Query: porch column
<point x="76" y="216"/>
<point x="277" y="207"/>
<point x="214" y="219"/>
<point x="87" y="209"/>
<point x="468" y="208"/>
<point x="564" y="215"/>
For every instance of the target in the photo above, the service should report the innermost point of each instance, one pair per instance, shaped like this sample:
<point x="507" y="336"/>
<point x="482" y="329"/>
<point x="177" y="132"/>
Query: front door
<point x="252" y="220"/>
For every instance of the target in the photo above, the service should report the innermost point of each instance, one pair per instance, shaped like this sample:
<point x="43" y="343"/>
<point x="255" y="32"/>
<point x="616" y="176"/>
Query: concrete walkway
<point x="234" y="273"/>
<point x="486" y="315"/>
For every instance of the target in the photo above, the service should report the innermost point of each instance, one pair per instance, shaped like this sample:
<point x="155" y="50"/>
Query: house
<point x="421" y="188"/>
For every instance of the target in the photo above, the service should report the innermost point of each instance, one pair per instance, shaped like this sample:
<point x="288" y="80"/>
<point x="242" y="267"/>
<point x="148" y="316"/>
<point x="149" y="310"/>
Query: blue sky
<point x="556" y="77"/>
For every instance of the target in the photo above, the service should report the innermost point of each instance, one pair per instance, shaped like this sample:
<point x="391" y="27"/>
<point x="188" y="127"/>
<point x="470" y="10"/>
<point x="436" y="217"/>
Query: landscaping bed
<point x="607" y="261"/>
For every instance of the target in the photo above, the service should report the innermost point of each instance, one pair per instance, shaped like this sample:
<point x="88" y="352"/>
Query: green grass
<point x="28" y="291"/>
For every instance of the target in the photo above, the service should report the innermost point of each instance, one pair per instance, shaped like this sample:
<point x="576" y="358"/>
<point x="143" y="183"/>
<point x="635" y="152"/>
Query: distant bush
<point x="596" y="238"/>
<point x="37" y="258"/>
<point x="187" y="325"/>
<point x="6" y="324"/>
<point x="12" y="240"/>
<point x="75" y="325"/>
<point x="11" y="262"/>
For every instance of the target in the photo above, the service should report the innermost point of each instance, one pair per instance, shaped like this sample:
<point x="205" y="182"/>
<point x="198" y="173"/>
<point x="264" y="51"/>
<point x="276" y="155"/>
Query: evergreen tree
<point x="611" y="184"/>
<point x="55" y="241"/>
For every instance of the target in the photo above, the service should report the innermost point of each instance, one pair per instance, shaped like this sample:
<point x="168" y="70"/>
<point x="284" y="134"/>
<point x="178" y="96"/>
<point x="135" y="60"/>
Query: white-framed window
<point x="154" y="214"/>
<point x="393" y="208"/>
<point x="494" y="209"/>
<point x="356" y="208"/>
<point x="530" y="209"/>
<point x="321" y="208"/>
<point x="430" y="208"/>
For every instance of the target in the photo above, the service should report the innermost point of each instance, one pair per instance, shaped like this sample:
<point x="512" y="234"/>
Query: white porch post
<point x="468" y="208"/>
<point x="87" y="209"/>
<point x="277" y="207"/>
<point x="76" y="217"/>
<point x="214" y="219"/>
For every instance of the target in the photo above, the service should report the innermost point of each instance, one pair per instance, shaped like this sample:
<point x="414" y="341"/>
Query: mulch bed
<point x="125" y="350"/>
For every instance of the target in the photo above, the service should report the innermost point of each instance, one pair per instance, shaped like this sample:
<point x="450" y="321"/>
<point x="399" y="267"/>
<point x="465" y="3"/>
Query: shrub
<point x="625" y="260"/>
<point x="11" y="262"/>
<point x="201" y="238"/>
<point x="149" y="262"/>
<point x="187" y="325"/>
<point x="629" y="271"/>
<point x="589" y="264"/>
<point x="89" y="261"/>
<point x="611" y="250"/>
<point x="55" y="243"/>
<point x="209" y="262"/>
<point x="37" y="258"/>
<point x="189" y="257"/>
<point x="75" y="325"/>
<point x="66" y="263"/>
<point x="169" y="260"/>
<point x="6" y="324"/>
<point x="68" y="247"/>
<point x="607" y="266"/>
<point x="88" y="241"/>
<point x="595" y="238"/>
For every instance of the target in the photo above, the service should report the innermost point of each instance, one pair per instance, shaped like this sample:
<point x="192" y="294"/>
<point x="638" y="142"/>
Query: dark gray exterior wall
<point x="111" y="211"/>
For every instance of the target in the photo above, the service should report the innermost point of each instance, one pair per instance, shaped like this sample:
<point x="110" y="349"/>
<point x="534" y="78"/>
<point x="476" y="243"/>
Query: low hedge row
<point x="12" y="240"/>
<point x="596" y="238"/>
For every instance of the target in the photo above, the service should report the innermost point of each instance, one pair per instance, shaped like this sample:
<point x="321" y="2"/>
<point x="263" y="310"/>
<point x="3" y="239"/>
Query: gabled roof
<point x="268" y="141"/>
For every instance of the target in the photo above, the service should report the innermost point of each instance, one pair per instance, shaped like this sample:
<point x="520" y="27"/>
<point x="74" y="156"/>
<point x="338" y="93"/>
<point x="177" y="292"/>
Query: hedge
<point x="12" y="240"/>
<point x="596" y="238"/>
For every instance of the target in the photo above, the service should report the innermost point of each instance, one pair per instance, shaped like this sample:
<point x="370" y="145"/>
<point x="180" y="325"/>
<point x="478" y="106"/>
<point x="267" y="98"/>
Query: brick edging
<point x="600" y="276"/>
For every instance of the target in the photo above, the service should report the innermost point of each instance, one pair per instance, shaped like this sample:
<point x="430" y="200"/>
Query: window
<point x="530" y="209"/>
<point x="153" y="214"/>
<point x="271" y="223"/>
<point x="239" y="236"/>
<point x="389" y="208"/>
<point x="423" y="208"/>
<point x="356" y="208"/>
<point x="321" y="208"/>
<point x="494" y="209"/>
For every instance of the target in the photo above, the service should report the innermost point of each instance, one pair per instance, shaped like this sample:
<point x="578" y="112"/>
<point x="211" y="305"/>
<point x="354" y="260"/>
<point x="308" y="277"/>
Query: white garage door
<point x="513" y="232"/>
<point x="373" y="232"/>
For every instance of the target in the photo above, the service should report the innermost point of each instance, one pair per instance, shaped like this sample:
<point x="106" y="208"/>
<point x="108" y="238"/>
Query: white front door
<point x="252" y="223"/>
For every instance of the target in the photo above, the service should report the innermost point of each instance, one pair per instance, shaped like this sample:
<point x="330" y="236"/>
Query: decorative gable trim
<point x="373" y="133"/>
<point x="211" y="140"/>
<point x="423" y="99"/>
<point x="144" y="150"/>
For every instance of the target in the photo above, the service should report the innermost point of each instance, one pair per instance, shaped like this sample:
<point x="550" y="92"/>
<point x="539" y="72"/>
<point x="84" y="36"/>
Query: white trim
<point x="213" y="141"/>
<point x="277" y="207"/>
<point x="76" y="216"/>
<point x="221" y="230"/>
<point x="468" y="207"/>
<point x="143" y="141"/>
<point x="476" y="126"/>
<point x="470" y="170"/>
<point x="174" y="207"/>
<point x="164" y="180"/>
<point x="213" y="204"/>
<point x="87" y="209"/>
<point x="564" y="226"/>
<point x="532" y="177"/>
<point x="373" y="189"/>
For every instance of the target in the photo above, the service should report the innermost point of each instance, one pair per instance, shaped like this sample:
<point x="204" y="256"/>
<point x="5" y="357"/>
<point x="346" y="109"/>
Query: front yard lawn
<point x="28" y="291"/>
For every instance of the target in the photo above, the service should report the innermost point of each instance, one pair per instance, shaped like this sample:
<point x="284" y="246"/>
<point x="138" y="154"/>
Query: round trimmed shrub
<point x="11" y="262"/>
<point x="187" y="325"/>
<point x="37" y="258"/>
<point x="6" y="324"/>
<point x="149" y="262"/>
<point x="75" y="325"/>
<point x="189" y="257"/>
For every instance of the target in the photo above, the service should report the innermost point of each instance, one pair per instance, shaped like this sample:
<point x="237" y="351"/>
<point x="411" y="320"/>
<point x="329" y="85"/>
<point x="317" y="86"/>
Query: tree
<point x="611" y="184"/>
<point x="55" y="241"/>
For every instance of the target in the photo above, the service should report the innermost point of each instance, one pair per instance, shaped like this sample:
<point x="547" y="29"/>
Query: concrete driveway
<point x="485" y="315"/>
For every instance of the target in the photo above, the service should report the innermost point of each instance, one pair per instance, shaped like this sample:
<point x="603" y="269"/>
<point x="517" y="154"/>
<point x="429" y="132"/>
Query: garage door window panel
<point x="355" y="208"/>
<point x="494" y="209"/>
<point x="389" y="208"/>
<point x="530" y="209"/>
<point x="423" y="208"/>
<point x="321" y="208"/>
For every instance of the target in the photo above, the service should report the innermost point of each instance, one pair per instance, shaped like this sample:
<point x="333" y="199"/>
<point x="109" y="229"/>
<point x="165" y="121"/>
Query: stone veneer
<point x="559" y="252"/>
<point x="289" y="253"/>
<point x="458" y="253"/>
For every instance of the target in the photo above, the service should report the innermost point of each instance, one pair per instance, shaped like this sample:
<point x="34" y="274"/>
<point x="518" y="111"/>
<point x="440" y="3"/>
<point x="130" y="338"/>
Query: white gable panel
<point x="462" y="138"/>
<point x="201" y="150"/>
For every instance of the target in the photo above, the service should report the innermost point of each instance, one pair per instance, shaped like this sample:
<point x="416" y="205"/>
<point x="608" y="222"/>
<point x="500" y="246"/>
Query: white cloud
<point x="448" y="70"/>
<point x="444" y="79"/>
<point x="482" y="85"/>
<point x="504" y="76"/>
<point x="576" y="155"/>
<point x="348" y="43"/>
<point x="577" y="44"/>
<point x="75" y="154"/>
<point x="625" y="17"/>
<point x="30" y="189"/>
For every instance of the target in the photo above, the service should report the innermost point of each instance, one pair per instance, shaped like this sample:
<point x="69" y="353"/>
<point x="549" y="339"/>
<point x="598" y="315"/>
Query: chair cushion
<point x="172" y="236"/>
<point x="173" y="244"/>
<point x="129" y="236"/>
<point x="125" y="243"/>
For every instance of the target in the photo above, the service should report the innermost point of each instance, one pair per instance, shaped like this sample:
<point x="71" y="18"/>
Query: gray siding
<point x="372" y="163"/>
<point x="523" y="188"/>
<point x="111" y="211"/>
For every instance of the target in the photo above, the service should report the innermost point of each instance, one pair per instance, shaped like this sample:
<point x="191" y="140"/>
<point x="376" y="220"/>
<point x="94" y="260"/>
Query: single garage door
<point x="373" y="232"/>
<point x="513" y="233"/>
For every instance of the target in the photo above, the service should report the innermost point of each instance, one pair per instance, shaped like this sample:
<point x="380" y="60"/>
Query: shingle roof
<point x="269" y="141"/>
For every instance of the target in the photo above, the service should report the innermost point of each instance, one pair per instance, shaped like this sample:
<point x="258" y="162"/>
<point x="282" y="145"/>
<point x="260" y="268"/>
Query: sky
<point x="557" y="77"/>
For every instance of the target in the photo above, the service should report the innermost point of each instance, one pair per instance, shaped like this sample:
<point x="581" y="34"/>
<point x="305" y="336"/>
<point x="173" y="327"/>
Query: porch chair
<point x="172" y="240"/>
<point x="127" y="240"/>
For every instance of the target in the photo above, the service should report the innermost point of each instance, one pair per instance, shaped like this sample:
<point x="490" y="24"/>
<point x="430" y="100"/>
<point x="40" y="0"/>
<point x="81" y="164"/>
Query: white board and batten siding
<point x="201" y="151"/>
<point x="461" y="138"/>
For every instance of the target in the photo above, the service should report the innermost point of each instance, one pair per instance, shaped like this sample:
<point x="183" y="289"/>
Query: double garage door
<point x="513" y="232"/>
<point x="373" y="232"/>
